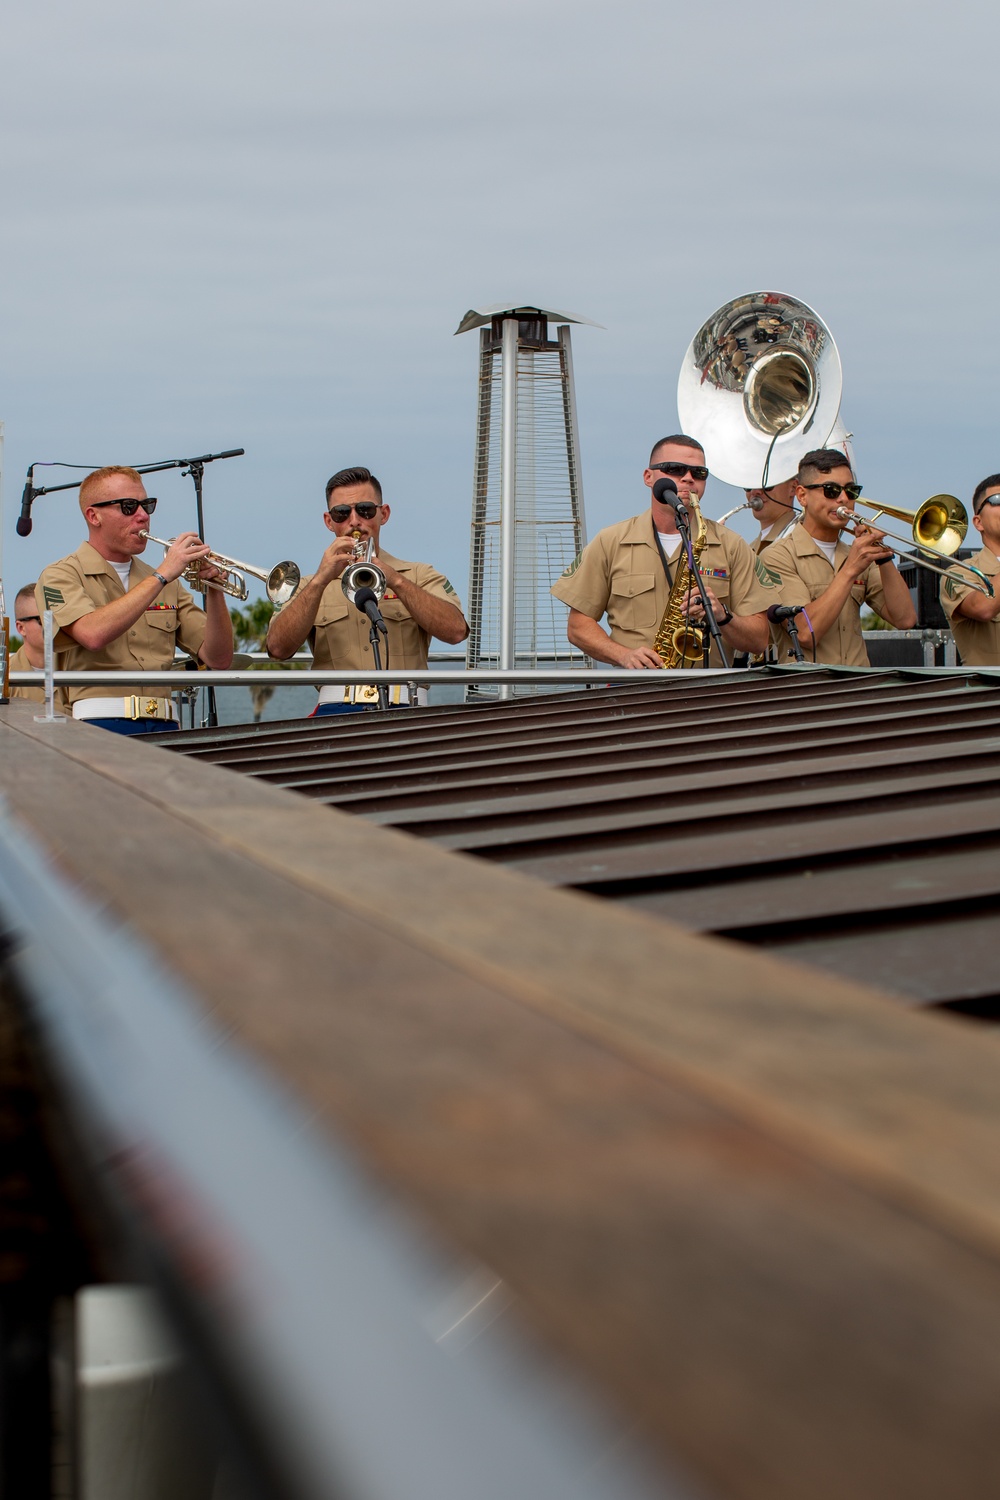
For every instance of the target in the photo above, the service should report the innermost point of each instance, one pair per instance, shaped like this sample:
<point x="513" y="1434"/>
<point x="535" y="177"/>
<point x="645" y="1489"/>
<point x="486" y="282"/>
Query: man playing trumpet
<point x="115" y="613"/>
<point x="418" y="603"/>
<point x="830" y="577"/>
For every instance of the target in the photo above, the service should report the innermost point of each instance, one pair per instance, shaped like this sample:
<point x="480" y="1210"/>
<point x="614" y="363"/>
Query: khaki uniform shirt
<point x="620" y="574"/>
<point x="339" y="638"/>
<point x="81" y="583"/>
<point x="19" y="663"/>
<point x="978" y="641"/>
<point x="805" y="573"/>
<point x="774" y="533"/>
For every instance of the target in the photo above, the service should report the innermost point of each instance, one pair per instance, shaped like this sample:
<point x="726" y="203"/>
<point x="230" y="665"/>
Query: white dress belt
<point x="365" y="694"/>
<point x="132" y="706"/>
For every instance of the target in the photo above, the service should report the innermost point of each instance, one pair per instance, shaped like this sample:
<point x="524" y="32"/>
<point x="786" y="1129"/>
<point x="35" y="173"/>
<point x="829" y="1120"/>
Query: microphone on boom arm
<point x="777" y="613"/>
<point x="27" y="495"/>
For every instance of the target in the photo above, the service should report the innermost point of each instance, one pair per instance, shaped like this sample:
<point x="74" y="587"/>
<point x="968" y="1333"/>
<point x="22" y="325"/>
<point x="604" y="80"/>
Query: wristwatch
<point x="725" y="619"/>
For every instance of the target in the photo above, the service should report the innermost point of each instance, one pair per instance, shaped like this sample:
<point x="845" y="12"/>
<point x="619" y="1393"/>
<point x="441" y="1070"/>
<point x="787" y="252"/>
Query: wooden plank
<point x="759" y="1206"/>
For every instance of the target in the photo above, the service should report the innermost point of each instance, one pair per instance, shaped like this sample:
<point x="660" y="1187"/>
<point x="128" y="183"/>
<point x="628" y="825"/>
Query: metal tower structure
<point x="527" y="507"/>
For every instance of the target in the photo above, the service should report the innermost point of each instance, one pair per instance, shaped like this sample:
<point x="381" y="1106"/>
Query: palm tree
<point x="249" y="632"/>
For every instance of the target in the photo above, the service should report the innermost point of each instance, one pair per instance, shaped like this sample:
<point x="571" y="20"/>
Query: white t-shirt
<point x="123" y="570"/>
<point x="669" y="541"/>
<point x="829" y="550"/>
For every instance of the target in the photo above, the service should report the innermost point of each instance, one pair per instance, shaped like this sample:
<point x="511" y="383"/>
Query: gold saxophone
<point x="678" y="643"/>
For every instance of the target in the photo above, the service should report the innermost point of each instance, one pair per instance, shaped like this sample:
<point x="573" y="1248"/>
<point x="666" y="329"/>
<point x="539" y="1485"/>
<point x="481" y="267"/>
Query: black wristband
<point x="727" y="617"/>
<point x="160" y="576"/>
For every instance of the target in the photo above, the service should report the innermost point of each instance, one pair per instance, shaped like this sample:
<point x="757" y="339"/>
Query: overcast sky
<point x="230" y="224"/>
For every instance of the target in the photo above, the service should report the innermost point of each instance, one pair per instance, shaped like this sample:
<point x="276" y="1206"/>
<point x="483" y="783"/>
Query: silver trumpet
<point x="362" y="573"/>
<point x="280" y="583"/>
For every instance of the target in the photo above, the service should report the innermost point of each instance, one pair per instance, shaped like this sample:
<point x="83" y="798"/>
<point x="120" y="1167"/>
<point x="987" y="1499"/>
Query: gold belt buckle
<point x="143" y="708"/>
<point x="366" y="693"/>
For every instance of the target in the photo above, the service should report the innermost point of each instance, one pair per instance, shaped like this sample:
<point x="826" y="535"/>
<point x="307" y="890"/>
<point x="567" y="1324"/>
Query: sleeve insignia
<point x="447" y="587"/>
<point x="52" y="596"/>
<point x="568" y="572"/>
<point x="951" y="588"/>
<point x="767" y="576"/>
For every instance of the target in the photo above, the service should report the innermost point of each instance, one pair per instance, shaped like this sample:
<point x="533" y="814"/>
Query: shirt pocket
<point x="719" y="587"/>
<point x="333" y="606"/>
<point x="394" y="609"/>
<point x="162" y="619"/>
<point x="633" y="600"/>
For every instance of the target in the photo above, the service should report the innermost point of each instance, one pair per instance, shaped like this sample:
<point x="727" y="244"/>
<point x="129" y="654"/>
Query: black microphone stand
<point x="681" y="512"/>
<point x="366" y="600"/>
<point x="381" y="689"/>
<point x="793" y="631"/>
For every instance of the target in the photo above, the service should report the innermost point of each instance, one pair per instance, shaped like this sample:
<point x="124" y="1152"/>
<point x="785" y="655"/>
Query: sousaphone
<point x="760" y="386"/>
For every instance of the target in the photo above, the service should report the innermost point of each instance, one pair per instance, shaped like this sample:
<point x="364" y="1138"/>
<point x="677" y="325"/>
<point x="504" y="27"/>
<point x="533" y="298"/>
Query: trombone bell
<point x="940" y="523"/>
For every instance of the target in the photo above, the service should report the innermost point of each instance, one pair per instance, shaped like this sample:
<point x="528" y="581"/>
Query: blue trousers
<point x="134" y="726"/>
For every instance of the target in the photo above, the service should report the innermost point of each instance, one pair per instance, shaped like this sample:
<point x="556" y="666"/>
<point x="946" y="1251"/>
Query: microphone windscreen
<point x="663" y="487"/>
<point x="23" y="526"/>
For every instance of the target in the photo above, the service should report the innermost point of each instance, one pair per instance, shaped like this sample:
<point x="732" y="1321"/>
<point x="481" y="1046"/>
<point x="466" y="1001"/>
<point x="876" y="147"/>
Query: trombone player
<point x="831" y="579"/>
<point x="974" y="615"/>
<point x="115" y="613"/>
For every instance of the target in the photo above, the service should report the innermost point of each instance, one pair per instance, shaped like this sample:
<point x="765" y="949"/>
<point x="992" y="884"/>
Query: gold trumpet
<point x="938" y="527"/>
<point x="280" y="583"/>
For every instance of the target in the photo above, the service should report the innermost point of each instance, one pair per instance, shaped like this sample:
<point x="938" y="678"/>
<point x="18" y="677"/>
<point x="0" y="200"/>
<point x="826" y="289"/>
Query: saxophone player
<point x="627" y="573"/>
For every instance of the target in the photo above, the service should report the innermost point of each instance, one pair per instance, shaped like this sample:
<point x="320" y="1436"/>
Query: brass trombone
<point x="938" y="526"/>
<point x="280" y="583"/>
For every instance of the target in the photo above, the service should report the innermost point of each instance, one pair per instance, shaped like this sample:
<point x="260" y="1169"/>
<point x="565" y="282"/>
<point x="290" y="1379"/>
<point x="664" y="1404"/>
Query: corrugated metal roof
<point x="846" y="819"/>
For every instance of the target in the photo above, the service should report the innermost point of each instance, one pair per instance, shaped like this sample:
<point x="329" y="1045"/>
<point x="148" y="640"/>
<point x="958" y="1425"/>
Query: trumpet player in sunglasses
<point x="831" y="576"/>
<point x="115" y="613"/>
<point x="418" y="602"/>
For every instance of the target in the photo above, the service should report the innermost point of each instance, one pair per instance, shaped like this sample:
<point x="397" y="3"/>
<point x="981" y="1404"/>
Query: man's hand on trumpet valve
<point x="184" y="550"/>
<point x="335" y="559"/>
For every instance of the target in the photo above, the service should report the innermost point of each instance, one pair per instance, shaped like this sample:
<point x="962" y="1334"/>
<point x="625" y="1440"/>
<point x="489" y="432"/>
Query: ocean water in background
<point x="235" y="704"/>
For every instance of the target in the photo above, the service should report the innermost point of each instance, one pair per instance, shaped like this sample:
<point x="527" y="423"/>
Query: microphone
<point x="27" y="495"/>
<point x="367" y="601"/>
<point x="776" y="613"/>
<point x="662" y="491"/>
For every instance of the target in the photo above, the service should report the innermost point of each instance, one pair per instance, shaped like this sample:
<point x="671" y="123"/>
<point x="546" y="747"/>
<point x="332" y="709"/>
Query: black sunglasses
<point x="832" y="491"/>
<point x="129" y="507"/>
<point x="25" y="619"/>
<point x="677" y="471"/>
<point x="366" y="509"/>
<point x="990" y="500"/>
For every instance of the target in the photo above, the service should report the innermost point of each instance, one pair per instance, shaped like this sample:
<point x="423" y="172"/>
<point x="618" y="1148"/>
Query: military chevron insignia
<point x="768" y="577"/>
<point x="568" y="572"/>
<point x="52" y="596"/>
<point x="448" y="588"/>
